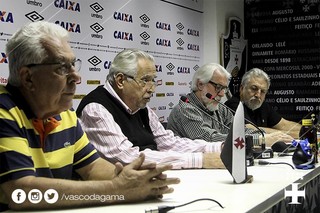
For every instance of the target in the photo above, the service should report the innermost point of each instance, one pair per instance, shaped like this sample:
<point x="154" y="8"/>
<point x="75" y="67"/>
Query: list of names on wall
<point x="284" y="40"/>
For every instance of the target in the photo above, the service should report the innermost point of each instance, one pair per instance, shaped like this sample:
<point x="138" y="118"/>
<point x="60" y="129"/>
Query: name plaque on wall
<point x="284" y="40"/>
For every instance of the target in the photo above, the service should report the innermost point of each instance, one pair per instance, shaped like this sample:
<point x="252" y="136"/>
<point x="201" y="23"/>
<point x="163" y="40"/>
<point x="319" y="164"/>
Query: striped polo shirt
<point x="28" y="146"/>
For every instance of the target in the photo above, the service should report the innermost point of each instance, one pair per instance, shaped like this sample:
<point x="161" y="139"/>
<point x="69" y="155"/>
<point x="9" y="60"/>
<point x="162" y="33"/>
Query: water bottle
<point x="308" y="131"/>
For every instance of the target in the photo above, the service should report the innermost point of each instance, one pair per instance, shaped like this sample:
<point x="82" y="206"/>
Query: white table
<point x="267" y="189"/>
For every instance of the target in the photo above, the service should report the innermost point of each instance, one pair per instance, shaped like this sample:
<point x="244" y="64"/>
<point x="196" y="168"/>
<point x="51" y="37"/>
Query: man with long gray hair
<point x="202" y="116"/>
<point x="253" y="90"/>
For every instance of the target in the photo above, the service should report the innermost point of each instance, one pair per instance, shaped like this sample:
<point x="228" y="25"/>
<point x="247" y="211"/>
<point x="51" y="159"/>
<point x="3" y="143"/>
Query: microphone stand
<point x="186" y="100"/>
<point x="258" y="153"/>
<point x="248" y="138"/>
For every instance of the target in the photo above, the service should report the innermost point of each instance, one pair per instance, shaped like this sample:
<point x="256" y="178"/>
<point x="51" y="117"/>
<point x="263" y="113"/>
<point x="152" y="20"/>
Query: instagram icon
<point x="35" y="196"/>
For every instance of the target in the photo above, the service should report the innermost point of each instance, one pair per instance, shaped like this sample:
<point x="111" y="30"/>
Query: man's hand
<point x="273" y="137"/>
<point x="137" y="182"/>
<point x="212" y="161"/>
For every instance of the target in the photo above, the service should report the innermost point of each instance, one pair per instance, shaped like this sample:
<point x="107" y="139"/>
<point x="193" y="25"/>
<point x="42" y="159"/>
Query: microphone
<point x="186" y="100"/>
<point x="249" y="142"/>
<point x="263" y="142"/>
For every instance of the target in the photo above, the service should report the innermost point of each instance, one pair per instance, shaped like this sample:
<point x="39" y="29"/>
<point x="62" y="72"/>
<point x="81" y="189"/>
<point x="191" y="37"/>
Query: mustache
<point x="254" y="98"/>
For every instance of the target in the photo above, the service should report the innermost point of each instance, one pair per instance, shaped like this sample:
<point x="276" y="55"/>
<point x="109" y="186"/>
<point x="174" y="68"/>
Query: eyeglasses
<point x="219" y="87"/>
<point x="145" y="81"/>
<point x="64" y="68"/>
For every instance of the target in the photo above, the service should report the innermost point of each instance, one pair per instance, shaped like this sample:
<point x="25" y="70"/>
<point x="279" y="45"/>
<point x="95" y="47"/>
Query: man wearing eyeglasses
<point x="121" y="125"/>
<point x="253" y="90"/>
<point x="204" y="118"/>
<point x="200" y="116"/>
<point x="42" y="145"/>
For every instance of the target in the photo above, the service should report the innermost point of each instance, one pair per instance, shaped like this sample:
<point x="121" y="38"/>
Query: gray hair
<point x="126" y="62"/>
<point x="205" y="73"/>
<point x="27" y="46"/>
<point x="255" y="72"/>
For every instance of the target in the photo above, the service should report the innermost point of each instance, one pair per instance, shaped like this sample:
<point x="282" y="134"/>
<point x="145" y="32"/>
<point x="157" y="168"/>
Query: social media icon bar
<point x="35" y="196"/>
<point x="18" y="196"/>
<point x="51" y="196"/>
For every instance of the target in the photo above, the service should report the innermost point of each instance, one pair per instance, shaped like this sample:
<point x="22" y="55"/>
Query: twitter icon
<point x="51" y="196"/>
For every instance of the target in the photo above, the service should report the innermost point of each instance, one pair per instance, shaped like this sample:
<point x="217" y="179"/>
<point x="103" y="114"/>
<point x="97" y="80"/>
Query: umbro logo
<point x="196" y="67"/>
<point x="94" y="60"/>
<point x="180" y="26"/>
<point x="145" y="36"/>
<point x="34" y="16"/>
<point x="180" y="41"/>
<point x="170" y="66"/>
<point x="96" y="27"/>
<point x="96" y="7"/>
<point x="144" y="18"/>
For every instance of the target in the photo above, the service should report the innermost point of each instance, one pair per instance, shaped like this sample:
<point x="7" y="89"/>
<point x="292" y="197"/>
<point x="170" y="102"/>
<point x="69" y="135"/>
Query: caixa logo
<point x="122" y="17"/>
<point x="163" y="26"/>
<point x="107" y="65"/>
<point x="3" y="58"/>
<point x="6" y="16"/>
<point x="193" y="32"/>
<point x="163" y="42"/>
<point x="123" y="35"/>
<point x="158" y="68"/>
<point x="71" y="27"/>
<point x="193" y="47"/>
<point x="68" y="5"/>
<point x="162" y="107"/>
<point x="183" y="70"/>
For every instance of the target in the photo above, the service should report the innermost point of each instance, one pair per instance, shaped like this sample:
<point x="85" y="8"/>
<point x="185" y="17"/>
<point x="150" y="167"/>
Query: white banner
<point x="169" y="30"/>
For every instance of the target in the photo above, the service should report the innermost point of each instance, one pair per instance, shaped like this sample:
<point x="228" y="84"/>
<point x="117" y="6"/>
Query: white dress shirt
<point x="106" y="135"/>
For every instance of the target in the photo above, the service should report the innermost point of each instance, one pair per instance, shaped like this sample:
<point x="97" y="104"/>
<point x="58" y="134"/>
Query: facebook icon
<point x="18" y="196"/>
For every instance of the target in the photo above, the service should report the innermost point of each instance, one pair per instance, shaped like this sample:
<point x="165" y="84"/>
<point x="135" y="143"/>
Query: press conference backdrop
<point x="169" y="30"/>
<point x="284" y="40"/>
